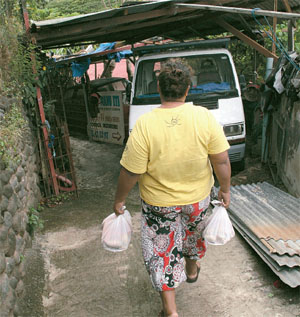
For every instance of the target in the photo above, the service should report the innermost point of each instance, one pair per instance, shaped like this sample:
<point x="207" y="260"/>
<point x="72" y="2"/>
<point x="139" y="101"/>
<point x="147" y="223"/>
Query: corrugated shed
<point x="269" y="220"/>
<point x="144" y="20"/>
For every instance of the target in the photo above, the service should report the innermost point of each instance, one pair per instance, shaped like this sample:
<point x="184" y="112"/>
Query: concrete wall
<point x="18" y="192"/>
<point x="285" y="144"/>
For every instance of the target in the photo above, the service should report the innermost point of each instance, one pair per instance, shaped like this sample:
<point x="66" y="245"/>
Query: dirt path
<point x="72" y="275"/>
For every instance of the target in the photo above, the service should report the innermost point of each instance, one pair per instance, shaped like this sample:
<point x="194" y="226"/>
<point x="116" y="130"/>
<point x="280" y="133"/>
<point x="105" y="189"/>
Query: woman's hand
<point x="118" y="208"/>
<point x="224" y="197"/>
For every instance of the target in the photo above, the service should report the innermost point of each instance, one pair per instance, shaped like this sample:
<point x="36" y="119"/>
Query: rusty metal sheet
<point x="277" y="260"/>
<point x="288" y="271"/>
<point x="268" y="212"/>
<point x="283" y="247"/>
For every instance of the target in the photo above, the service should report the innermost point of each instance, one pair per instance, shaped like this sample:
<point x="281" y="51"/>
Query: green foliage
<point x="12" y="129"/>
<point x="253" y="64"/>
<point x="247" y="61"/>
<point x="59" y="199"/>
<point x="34" y="220"/>
<point x="282" y="35"/>
<point x="64" y="8"/>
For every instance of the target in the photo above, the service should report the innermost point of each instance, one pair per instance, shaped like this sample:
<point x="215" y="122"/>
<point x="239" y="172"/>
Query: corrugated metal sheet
<point x="289" y="274"/>
<point x="283" y="247"/>
<point x="269" y="5"/>
<point x="269" y="220"/>
<point x="267" y="211"/>
<point x="276" y="260"/>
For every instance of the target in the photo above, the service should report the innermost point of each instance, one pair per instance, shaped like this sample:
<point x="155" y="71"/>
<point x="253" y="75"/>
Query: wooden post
<point x="291" y="43"/>
<point x="274" y="28"/>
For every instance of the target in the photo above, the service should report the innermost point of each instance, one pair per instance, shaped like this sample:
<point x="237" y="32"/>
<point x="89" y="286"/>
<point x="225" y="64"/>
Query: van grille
<point x="235" y="157"/>
<point x="207" y="104"/>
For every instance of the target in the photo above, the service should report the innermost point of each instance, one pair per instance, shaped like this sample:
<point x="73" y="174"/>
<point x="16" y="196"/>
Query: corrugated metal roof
<point x="144" y="20"/>
<point x="269" y="220"/>
<point x="267" y="4"/>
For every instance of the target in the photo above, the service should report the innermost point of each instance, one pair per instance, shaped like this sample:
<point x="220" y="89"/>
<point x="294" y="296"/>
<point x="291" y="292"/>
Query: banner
<point x="109" y="124"/>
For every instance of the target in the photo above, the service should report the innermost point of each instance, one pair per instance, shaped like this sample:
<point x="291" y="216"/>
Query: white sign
<point x="109" y="124"/>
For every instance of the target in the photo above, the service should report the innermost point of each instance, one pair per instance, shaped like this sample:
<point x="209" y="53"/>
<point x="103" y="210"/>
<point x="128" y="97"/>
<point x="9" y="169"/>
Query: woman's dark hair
<point x="174" y="79"/>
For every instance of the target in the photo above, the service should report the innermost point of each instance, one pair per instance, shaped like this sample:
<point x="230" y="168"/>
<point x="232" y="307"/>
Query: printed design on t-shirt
<point x="173" y="122"/>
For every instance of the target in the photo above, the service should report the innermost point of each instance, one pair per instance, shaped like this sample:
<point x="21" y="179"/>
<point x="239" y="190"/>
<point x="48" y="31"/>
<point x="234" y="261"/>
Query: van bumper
<point x="236" y="152"/>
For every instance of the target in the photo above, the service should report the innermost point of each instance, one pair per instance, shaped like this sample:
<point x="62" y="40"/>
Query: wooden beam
<point x="246" y="39"/>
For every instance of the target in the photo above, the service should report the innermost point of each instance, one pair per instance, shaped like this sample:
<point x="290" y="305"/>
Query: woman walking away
<point x="170" y="152"/>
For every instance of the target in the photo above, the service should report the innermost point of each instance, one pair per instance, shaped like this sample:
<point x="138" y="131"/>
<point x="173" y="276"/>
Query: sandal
<point x="193" y="280"/>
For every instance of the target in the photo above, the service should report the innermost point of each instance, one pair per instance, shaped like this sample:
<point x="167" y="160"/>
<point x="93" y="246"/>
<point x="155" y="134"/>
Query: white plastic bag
<point x="219" y="229"/>
<point x="116" y="232"/>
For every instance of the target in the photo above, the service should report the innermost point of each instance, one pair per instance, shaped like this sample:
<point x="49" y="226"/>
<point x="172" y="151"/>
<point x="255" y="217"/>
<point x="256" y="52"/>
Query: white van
<point x="215" y="85"/>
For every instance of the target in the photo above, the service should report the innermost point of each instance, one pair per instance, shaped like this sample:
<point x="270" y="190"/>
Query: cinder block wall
<point x="18" y="192"/>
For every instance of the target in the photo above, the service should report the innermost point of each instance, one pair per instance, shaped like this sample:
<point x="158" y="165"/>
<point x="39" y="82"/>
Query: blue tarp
<point x="79" y="67"/>
<point x="210" y="87"/>
<point x="110" y="46"/>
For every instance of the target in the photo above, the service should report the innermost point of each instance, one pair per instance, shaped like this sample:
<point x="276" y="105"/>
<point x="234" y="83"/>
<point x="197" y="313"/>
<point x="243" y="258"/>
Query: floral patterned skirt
<point x="168" y="235"/>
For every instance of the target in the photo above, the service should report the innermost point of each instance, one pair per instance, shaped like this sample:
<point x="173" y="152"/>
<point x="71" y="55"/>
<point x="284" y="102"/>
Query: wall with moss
<point x="19" y="192"/>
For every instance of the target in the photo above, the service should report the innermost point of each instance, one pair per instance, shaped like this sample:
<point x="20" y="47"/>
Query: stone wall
<point x="19" y="191"/>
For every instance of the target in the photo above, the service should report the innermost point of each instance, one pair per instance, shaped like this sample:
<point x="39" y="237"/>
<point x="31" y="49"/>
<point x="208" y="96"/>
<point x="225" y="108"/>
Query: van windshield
<point x="212" y="77"/>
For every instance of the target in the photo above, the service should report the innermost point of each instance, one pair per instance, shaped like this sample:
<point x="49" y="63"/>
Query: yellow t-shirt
<point x="170" y="147"/>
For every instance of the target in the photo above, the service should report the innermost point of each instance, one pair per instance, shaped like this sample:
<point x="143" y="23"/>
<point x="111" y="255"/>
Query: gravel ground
<point x="70" y="274"/>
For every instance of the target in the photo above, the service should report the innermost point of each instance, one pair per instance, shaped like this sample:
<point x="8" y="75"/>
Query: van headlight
<point x="235" y="129"/>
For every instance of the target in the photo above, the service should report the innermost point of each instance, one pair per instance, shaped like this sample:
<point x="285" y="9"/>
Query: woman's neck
<point x="171" y="104"/>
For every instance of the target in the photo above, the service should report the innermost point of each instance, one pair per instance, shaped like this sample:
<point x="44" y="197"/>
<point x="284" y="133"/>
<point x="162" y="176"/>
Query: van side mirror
<point x="242" y="81"/>
<point x="128" y="91"/>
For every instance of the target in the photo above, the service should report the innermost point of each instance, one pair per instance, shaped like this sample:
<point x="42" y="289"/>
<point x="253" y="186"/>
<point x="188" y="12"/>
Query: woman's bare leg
<point x="191" y="267"/>
<point x="169" y="304"/>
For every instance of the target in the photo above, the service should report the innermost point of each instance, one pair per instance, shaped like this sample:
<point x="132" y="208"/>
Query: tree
<point x="64" y="8"/>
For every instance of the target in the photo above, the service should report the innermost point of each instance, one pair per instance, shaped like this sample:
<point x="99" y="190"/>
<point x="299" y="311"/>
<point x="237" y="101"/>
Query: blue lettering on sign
<point x="105" y="101"/>
<point x="100" y="134"/>
<point x="116" y="101"/>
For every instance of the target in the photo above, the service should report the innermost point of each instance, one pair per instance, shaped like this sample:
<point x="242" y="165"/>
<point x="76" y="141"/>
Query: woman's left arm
<point x="222" y="168"/>
<point x="126" y="182"/>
